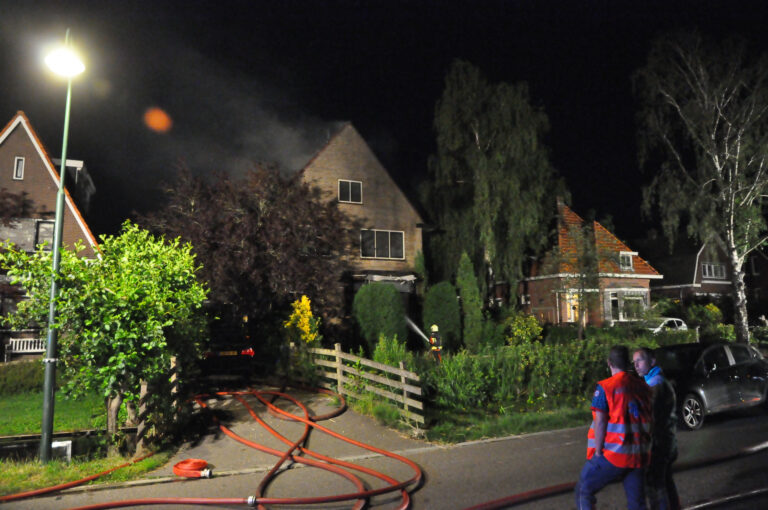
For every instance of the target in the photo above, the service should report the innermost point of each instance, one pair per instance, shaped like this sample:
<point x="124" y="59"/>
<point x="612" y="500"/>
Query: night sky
<point x="249" y="81"/>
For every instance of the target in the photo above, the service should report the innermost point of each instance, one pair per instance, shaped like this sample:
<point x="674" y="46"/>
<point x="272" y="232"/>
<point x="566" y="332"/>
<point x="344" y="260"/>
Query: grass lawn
<point x="23" y="413"/>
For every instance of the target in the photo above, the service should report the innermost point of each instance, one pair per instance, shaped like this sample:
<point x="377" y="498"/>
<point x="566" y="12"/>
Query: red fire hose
<point x="295" y="453"/>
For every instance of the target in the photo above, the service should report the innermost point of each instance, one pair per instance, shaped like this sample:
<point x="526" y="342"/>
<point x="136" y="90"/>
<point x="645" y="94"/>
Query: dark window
<point x="740" y="353"/>
<point x="382" y="244"/>
<point x="44" y="234"/>
<point x="351" y="191"/>
<point x="716" y="359"/>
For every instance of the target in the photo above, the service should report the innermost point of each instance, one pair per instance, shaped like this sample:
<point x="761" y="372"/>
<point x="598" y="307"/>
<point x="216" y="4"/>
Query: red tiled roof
<point x="605" y="242"/>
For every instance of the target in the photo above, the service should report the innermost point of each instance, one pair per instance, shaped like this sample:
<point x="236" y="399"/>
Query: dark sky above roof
<point x="259" y="80"/>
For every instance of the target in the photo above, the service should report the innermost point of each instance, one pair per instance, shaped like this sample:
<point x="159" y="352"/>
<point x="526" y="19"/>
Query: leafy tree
<point x="120" y="317"/>
<point x="262" y="240"/>
<point x="471" y="304"/>
<point x="492" y="187"/>
<point x="379" y="310"/>
<point x="704" y="132"/>
<point x="442" y="308"/>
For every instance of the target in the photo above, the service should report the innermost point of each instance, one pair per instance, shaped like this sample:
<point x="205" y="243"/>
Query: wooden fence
<point x="396" y="380"/>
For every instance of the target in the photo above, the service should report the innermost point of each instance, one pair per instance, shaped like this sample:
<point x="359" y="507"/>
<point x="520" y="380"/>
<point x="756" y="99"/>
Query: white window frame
<point x="38" y="241"/>
<point x="710" y="270"/>
<point x="18" y="176"/>
<point x="389" y="240"/>
<point x="349" y="201"/>
<point x="628" y="256"/>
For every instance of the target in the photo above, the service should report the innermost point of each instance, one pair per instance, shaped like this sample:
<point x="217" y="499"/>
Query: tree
<point x="471" y="304"/>
<point x="263" y="241"/>
<point x="120" y="317"/>
<point x="379" y="310"/>
<point x="704" y="130"/>
<point x="492" y="187"/>
<point x="442" y="309"/>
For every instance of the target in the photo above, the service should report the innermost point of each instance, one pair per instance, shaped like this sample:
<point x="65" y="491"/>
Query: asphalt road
<point x="455" y="477"/>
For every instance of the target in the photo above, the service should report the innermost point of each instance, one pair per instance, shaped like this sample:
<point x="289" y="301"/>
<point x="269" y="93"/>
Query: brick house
<point x="702" y="272"/>
<point x="390" y="237"/>
<point x="622" y="291"/>
<point x="25" y="167"/>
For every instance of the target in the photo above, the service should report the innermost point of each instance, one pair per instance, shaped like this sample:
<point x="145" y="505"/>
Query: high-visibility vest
<point x="434" y="341"/>
<point x="627" y="438"/>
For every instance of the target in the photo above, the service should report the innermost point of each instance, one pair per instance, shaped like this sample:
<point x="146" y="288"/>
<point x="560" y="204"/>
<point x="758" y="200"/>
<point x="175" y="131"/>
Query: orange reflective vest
<point x="627" y="438"/>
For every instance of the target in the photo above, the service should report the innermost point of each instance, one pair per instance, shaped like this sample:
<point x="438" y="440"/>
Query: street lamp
<point x="63" y="62"/>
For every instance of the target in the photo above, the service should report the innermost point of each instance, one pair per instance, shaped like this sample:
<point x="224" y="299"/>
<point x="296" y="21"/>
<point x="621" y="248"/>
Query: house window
<point x="716" y="271"/>
<point x="625" y="261"/>
<point x="18" y="169"/>
<point x="382" y="244"/>
<point x="351" y="192"/>
<point x="44" y="234"/>
<point x="633" y="307"/>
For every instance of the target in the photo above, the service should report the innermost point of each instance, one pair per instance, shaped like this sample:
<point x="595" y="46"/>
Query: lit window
<point x="716" y="271"/>
<point x="18" y="169"/>
<point x="382" y="244"/>
<point x="351" y="192"/>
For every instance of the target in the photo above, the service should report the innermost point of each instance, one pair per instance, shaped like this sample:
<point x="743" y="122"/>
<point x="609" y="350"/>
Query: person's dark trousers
<point x="662" y="492"/>
<point x="598" y="472"/>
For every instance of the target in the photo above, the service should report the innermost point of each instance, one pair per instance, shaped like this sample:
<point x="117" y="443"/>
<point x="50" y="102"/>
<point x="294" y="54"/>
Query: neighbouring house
<point x="623" y="278"/>
<point x="702" y="271"/>
<point x="25" y="167"/>
<point x="390" y="236"/>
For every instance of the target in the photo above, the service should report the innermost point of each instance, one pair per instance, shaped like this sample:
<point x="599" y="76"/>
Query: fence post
<point x="339" y="371"/>
<point x="405" y="392"/>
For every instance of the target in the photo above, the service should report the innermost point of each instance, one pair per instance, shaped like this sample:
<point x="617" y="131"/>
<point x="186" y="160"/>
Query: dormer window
<point x="18" y="169"/>
<point x="350" y="192"/>
<point x="625" y="260"/>
<point x="713" y="270"/>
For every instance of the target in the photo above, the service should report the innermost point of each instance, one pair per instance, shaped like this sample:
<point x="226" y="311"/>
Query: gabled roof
<point x="605" y="242"/>
<point x="20" y="119"/>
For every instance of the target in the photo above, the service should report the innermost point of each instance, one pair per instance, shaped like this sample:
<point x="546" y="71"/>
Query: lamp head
<point x="64" y="62"/>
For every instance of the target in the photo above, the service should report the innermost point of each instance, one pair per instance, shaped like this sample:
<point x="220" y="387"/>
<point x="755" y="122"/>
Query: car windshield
<point x="677" y="359"/>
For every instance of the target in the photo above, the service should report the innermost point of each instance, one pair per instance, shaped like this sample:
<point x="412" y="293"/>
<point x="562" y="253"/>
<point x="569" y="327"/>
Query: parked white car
<point x="666" y="324"/>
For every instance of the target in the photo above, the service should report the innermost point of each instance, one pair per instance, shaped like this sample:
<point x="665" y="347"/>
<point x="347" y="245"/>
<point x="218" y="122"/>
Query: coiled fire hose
<point x="192" y="468"/>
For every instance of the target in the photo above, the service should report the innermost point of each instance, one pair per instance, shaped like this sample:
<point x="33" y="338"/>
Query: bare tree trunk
<point x="741" y="324"/>
<point x="113" y="408"/>
<point x="130" y="411"/>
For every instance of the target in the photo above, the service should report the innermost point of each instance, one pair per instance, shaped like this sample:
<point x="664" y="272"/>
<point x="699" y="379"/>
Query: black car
<point x="711" y="378"/>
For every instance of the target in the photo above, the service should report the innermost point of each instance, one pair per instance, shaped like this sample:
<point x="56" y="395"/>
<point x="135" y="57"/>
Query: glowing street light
<point x="63" y="62"/>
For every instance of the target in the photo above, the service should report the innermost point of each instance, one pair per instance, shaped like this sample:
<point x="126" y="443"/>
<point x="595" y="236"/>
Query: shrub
<point x="471" y="304"/>
<point x="442" y="308"/>
<point x="379" y="310"/>
<point x="302" y="326"/>
<point x="521" y="327"/>
<point x="21" y="377"/>
<point x="707" y="317"/>
<point x="391" y="352"/>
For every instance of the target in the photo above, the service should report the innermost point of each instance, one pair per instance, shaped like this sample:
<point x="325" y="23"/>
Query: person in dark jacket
<point x="435" y="345"/>
<point x="661" y="489"/>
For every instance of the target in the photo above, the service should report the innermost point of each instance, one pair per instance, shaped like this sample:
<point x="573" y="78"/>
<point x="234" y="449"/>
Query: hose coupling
<point x="252" y="500"/>
<point x="206" y="473"/>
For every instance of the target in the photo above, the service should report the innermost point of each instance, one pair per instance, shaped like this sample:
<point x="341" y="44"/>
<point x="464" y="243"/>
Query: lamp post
<point x="64" y="63"/>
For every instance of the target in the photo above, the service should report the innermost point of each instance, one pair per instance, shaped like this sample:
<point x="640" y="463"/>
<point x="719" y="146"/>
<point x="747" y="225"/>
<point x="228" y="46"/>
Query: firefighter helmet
<point x="433" y="328"/>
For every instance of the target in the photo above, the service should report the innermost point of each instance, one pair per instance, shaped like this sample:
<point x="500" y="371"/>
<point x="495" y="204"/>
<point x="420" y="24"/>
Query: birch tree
<point x="704" y="133"/>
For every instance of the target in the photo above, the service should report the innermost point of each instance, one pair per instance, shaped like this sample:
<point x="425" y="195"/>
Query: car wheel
<point x="692" y="412"/>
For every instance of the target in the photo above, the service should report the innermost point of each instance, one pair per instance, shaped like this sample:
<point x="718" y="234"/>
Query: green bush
<point x="442" y="308"/>
<point x="391" y="352"/>
<point x="21" y="377"/>
<point x="521" y="327"/>
<point x="471" y="304"/>
<point x="379" y="310"/>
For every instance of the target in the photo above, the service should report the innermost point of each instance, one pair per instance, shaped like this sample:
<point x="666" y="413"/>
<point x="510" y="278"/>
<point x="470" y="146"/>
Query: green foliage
<point x="471" y="304"/>
<point x="21" y="377"/>
<point x="705" y="316"/>
<point x="521" y="328"/>
<point x="302" y="326"/>
<point x="420" y="268"/>
<point x="490" y="154"/>
<point x="389" y="351"/>
<point x="379" y="310"/>
<point x="442" y="308"/>
<point x="120" y="317"/>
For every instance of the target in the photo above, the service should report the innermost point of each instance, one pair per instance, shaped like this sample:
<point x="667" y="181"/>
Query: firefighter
<point x="435" y="345"/>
